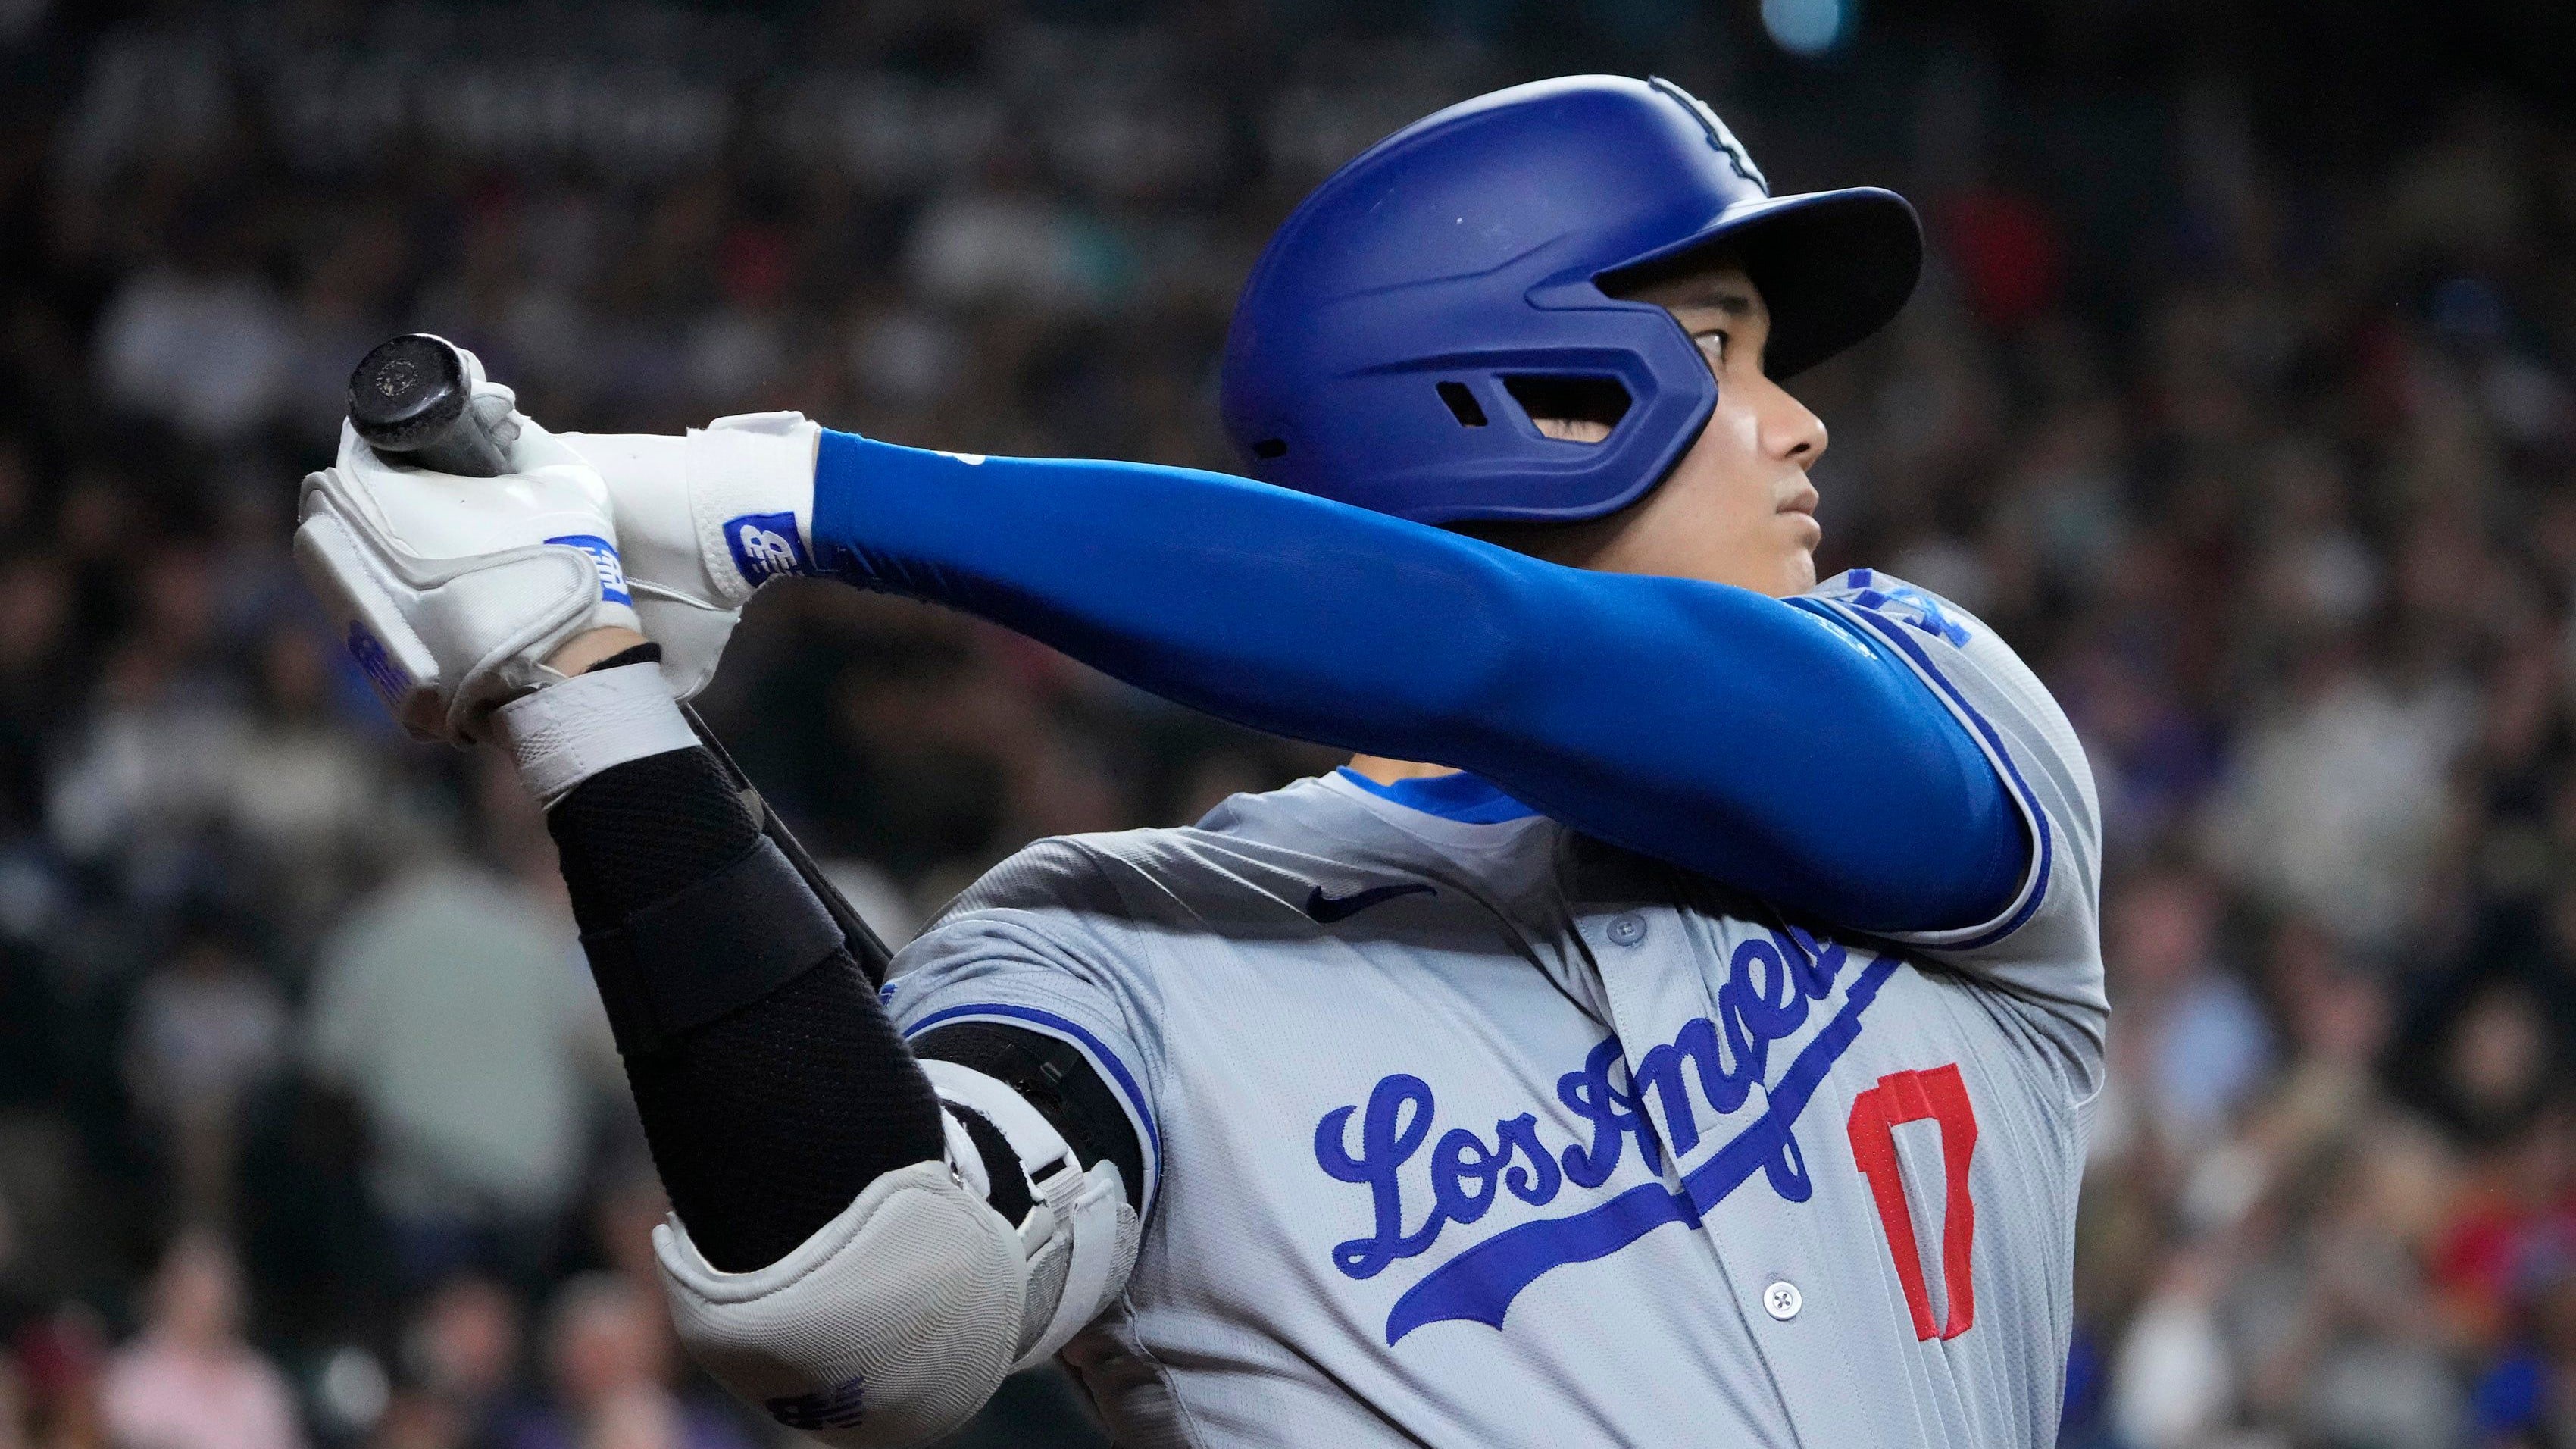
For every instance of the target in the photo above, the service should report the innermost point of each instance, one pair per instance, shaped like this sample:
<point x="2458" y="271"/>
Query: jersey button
<point x="1627" y="930"/>
<point x="1782" y="1301"/>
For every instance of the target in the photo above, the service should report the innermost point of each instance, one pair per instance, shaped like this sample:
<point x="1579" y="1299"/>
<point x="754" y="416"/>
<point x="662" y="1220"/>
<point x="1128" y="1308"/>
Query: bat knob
<point x="408" y="393"/>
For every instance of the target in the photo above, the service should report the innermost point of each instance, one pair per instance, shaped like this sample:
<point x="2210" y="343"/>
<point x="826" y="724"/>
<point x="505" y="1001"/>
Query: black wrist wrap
<point x="647" y="652"/>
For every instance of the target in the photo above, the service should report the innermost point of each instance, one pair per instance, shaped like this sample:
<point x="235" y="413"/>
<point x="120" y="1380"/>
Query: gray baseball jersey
<point x="1461" y="1128"/>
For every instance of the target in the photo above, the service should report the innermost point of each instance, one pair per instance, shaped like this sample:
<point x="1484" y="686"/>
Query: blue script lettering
<point x="1384" y="1147"/>
<point x="1613" y="1113"/>
<point x="1770" y="989"/>
<point x="1464" y="1170"/>
<point x="1537" y="1182"/>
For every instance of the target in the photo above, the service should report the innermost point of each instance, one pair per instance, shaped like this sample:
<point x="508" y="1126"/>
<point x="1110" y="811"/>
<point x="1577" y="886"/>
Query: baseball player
<point x="1676" y="1025"/>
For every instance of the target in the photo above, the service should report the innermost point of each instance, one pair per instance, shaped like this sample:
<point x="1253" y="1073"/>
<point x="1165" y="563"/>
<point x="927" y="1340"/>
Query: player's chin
<point x="1797" y="573"/>
<point x="1797" y="556"/>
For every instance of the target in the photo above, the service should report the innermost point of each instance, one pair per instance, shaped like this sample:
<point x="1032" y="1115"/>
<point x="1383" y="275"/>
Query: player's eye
<point x="1713" y="342"/>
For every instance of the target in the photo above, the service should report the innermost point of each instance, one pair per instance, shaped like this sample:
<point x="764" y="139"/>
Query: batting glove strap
<point x="452" y="592"/>
<point x="751" y="499"/>
<point x="442" y="644"/>
<point x="704" y="520"/>
<point x="565" y="733"/>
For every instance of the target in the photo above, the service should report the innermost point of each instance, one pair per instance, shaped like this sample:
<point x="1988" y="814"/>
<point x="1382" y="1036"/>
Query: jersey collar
<point x="1467" y="799"/>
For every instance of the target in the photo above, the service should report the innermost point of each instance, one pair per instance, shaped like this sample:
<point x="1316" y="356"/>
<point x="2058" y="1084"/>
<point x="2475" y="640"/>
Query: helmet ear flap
<point x="1578" y="405"/>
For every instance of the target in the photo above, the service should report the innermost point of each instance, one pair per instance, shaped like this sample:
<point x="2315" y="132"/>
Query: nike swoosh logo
<point x="1328" y="909"/>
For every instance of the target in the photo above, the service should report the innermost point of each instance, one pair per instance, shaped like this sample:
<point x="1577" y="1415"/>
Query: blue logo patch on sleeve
<point x="612" y="574"/>
<point x="1905" y="604"/>
<point x="767" y="546"/>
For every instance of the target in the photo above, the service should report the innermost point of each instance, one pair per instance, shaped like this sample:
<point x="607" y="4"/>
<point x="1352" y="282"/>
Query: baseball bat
<point x="410" y="397"/>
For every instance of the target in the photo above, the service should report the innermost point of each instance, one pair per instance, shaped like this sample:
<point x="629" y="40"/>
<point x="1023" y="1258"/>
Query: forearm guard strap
<point x="712" y="949"/>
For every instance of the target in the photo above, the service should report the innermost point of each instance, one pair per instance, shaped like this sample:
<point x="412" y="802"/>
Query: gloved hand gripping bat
<point x="411" y="399"/>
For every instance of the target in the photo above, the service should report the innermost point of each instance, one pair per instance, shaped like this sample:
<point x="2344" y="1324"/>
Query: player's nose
<point x="1789" y="431"/>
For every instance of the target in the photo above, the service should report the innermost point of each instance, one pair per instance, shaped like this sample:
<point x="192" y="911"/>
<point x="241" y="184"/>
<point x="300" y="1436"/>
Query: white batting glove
<point x="451" y="592"/>
<point x="705" y="520"/>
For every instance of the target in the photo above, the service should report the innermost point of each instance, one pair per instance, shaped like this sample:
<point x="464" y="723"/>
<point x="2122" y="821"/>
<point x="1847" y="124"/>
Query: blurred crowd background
<point x="2240" y="394"/>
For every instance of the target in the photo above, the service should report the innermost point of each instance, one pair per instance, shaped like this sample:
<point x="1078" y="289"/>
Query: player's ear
<point x="1573" y="430"/>
<point x="1571" y="409"/>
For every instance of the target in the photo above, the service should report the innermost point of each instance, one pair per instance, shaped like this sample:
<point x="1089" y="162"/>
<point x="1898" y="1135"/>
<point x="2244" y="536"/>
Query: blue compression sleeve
<point x="1708" y="726"/>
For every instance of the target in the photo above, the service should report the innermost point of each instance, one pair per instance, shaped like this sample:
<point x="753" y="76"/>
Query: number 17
<point x="1936" y="1095"/>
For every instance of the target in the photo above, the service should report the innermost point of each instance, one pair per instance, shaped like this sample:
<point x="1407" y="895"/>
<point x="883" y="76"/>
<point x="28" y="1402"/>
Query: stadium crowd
<point x="2260" y="449"/>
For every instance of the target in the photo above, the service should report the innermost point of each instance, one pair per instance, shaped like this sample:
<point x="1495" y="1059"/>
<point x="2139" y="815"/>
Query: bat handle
<point x="865" y="946"/>
<point x="412" y="397"/>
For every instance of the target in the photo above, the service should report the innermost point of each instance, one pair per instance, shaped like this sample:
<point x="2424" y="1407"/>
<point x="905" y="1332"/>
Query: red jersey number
<point x="1936" y="1095"/>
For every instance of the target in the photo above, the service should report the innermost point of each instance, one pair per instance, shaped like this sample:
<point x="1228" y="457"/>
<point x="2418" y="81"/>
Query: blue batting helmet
<point x="1407" y="318"/>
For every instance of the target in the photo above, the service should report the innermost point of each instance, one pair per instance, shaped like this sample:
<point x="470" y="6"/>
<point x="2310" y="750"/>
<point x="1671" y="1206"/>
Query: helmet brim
<point x="1833" y="266"/>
